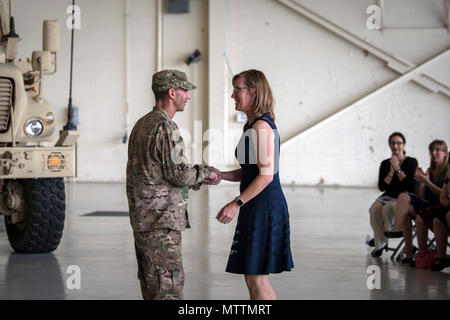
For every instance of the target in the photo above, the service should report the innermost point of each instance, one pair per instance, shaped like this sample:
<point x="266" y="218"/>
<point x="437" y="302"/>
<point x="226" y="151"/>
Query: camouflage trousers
<point x="160" y="267"/>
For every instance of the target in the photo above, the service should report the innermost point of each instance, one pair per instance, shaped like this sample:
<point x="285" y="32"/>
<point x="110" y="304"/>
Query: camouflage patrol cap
<point x="167" y="79"/>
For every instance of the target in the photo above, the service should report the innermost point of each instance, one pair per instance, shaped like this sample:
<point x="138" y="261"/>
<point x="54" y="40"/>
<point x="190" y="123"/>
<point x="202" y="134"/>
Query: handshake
<point x="214" y="177"/>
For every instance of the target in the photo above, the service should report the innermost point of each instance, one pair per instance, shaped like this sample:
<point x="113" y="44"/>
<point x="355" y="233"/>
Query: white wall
<point x="99" y="70"/>
<point x="98" y="80"/>
<point x="313" y="73"/>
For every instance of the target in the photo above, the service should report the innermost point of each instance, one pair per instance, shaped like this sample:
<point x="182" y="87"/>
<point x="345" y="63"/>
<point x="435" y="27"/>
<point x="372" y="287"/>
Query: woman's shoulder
<point x="266" y="118"/>
<point x="261" y="124"/>
<point x="385" y="165"/>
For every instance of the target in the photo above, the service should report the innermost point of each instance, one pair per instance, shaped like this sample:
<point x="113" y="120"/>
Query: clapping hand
<point x="214" y="178"/>
<point x="395" y="163"/>
<point x="421" y="176"/>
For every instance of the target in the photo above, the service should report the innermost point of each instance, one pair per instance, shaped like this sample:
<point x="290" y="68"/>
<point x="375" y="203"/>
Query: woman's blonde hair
<point x="264" y="102"/>
<point x="443" y="146"/>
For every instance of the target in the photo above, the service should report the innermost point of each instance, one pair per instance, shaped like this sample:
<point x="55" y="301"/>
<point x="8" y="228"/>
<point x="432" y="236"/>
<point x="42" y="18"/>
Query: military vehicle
<point x="32" y="165"/>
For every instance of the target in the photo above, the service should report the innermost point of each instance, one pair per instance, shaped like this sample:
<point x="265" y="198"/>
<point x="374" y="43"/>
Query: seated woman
<point x="396" y="175"/>
<point x="409" y="204"/>
<point x="440" y="226"/>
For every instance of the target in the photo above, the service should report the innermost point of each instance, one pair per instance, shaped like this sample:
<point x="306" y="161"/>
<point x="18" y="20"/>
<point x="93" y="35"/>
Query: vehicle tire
<point x="42" y="228"/>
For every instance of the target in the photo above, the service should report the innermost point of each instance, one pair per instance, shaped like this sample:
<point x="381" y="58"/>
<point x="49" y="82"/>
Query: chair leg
<point x="401" y="244"/>
<point x="430" y="242"/>
<point x="397" y="249"/>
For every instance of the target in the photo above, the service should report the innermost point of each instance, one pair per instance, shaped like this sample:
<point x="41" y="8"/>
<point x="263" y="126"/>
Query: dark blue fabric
<point x="430" y="198"/>
<point x="261" y="244"/>
<point x="417" y="203"/>
<point x="430" y="195"/>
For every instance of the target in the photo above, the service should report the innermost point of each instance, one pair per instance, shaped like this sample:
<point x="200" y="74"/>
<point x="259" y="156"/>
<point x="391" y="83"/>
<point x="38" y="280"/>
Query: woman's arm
<point x="388" y="178"/>
<point x="263" y="140"/>
<point x="421" y="191"/>
<point x="395" y="166"/>
<point x="385" y="175"/>
<point x="434" y="188"/>
<point x="444" y="196"/>
<point x="445" y="192"/>
<point x="234" y="176"/>
<point x="425" y="179"/>
<point x="409" y="183"/>
<point x="419" y="176"/>
<point x="401" y="176"/>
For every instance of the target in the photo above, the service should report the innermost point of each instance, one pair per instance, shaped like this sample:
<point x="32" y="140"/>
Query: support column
<point x="218" y="115"/>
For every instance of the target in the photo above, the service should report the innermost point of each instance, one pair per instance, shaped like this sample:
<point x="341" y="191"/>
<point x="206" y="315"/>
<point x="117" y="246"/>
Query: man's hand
<point x="214" y="178"/>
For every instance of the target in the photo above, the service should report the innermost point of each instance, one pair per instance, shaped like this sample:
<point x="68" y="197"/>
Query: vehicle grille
<point x="6" y="96"/>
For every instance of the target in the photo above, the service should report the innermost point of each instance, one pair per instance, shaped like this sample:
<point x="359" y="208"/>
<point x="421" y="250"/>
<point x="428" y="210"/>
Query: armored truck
<point x="34" y="161"/>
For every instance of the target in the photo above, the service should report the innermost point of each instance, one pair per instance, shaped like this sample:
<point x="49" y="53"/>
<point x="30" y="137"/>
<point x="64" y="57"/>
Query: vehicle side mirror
<point x="43" y="58"/>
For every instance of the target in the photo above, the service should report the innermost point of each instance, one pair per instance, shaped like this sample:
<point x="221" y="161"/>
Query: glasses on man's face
<point x="396" y="143"/>
<point x="236" y="90"/>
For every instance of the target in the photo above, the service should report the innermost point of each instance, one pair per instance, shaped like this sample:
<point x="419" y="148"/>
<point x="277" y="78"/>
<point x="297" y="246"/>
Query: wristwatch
<point x="399" y="171"/>
<point x="239" y="202"/>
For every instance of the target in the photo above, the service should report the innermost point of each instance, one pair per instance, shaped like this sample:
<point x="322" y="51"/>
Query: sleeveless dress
<point x="261" y="243"/>
<point x="430" y="198"/>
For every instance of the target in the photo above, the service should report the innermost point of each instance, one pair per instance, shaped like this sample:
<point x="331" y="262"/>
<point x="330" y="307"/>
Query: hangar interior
<point x="345" y="75"/>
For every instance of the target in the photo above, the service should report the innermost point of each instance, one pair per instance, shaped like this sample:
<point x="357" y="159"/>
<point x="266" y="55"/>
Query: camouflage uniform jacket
<point x="158" y="176"/>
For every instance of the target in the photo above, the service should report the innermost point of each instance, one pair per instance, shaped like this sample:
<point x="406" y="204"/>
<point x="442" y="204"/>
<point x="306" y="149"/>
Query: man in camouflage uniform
<point x="158" y="178"/>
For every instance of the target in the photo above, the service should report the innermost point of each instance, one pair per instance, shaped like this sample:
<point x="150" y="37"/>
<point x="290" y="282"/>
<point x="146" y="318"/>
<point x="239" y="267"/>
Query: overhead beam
<point x="407" y="76"/>
<point x="395" y="63"/>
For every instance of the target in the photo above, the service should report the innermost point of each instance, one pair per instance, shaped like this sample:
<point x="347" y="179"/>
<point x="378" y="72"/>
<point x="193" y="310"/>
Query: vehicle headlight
<point x="49" y="118"/>
<point x="34" y="127"/>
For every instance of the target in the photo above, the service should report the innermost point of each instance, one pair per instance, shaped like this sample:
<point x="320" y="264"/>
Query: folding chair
<point x="398" y="250"/>
<point x="433" y="240"/>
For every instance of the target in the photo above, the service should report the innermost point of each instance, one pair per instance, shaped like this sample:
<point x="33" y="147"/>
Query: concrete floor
<point x="328" y="229"/>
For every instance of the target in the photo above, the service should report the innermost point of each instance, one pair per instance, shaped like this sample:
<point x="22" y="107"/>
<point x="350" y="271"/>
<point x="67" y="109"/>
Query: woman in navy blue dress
<point x="261" y="243"/>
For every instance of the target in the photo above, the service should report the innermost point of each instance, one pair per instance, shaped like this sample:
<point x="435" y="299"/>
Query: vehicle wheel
<point x="41" y="228"/>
